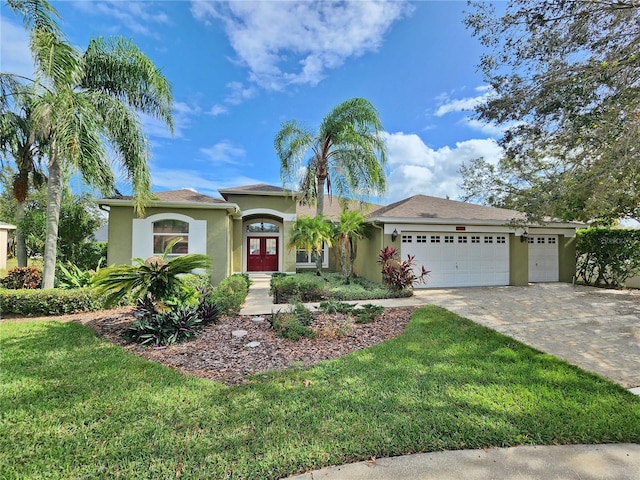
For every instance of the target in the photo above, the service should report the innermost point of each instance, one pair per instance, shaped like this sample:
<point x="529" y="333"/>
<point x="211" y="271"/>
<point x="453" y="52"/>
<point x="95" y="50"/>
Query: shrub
<point x="399" y="275"/>
<point x="22" y="277"/>
<point x="52" y="301"/>
<point x="155" y="280"/>
<point x="72" y="276"/>
<point x="607" y="256"/>
<point x="287" y="325"/>
<point x="161" y="329"/>
<point x="303" y="314"/>
<point x="368" y="313"/>
<point x="334" y="306"/>
<point x="207" y="310"/>
<point x="303" y="288"/>
<point x="90" y="254"/>
<point x="196" y="281"/>
<point x="230" y="294"/>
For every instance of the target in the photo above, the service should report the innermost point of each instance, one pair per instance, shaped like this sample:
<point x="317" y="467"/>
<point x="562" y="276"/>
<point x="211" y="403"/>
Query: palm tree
<point x="348" y="231"/>
<point x="20" y="139"/>
<point x="348" y="153"/>
<point x="84" y="102"/>
<point x="152" y="281"/>
<point x="309" y="234"/>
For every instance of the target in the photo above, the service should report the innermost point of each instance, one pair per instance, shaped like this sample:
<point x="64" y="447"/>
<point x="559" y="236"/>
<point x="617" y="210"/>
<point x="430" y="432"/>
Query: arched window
<point x="165" y="232"/>
<point x="262" y="226"/>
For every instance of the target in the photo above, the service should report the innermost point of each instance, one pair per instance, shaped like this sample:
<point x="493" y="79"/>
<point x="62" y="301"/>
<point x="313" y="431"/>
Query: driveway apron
<point x="595" y="329"/>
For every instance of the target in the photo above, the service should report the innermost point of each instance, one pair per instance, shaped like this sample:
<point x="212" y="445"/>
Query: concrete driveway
<point x="593" y="328"/>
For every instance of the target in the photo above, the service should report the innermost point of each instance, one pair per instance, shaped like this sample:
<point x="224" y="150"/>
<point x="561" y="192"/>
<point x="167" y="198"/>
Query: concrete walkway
<point x="562" y="462"/>
<point x="596" y="329"/>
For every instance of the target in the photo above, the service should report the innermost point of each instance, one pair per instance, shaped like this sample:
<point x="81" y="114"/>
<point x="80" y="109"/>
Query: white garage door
<point x="459" y="260"/>
<point x="543" y="258"/>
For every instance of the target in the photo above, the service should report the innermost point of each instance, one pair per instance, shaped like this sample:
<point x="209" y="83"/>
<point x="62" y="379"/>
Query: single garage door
<point x="459" y="260"/>
<point x="543" y="258"/>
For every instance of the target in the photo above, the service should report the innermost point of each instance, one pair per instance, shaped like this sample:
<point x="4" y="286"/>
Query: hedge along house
<point x="248" y="230"/>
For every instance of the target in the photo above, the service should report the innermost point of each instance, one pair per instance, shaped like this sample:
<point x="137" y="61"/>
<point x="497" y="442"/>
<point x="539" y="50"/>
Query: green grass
<point x="75" y="406"/>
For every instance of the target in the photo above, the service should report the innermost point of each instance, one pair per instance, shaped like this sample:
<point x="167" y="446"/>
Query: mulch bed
<point x="217" y="355"/>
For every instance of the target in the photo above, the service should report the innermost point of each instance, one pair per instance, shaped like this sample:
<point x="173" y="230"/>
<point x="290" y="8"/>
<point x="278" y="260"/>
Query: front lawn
<point x="75" y="406"/>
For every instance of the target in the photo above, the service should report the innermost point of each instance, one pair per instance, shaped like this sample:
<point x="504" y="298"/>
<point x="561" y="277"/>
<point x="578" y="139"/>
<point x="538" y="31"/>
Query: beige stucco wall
<point x="249" y="202"/>
<point x="289" y="254"/>
<point x="566" y="258"/>
<point x="367" y="255"/>
<point x="518" y="261"/>
<point x="633" y="282"/>
<point x="219" y="236"/>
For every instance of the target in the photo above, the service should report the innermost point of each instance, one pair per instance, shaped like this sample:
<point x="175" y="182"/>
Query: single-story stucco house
<point x="248" y="229"/>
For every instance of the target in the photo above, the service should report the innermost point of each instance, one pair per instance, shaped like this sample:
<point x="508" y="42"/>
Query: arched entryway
<point x="262" y="244"/>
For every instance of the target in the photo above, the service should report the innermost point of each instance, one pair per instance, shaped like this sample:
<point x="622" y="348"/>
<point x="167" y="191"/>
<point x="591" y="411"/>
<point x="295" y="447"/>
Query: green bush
<point x="90" y="254"/>
<point x="607" y="256"/>
<point x="300" y="287"/>
<point x="368" y="313"/>
<point x="22" y="277"/>
<point x="335" y="306"/>
<point x="52" y="301"/>
<point x="230" y="294"/>
<point x="196" y="281"/>
<point x="287" y="325"/>
<point x="161" y="329"/>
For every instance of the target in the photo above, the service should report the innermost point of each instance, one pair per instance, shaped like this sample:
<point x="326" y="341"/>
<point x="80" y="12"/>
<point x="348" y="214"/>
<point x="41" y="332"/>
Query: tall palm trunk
<point x="54" y="199"/>
<point x="21" y="241"/>
<point x="320" y="196"/>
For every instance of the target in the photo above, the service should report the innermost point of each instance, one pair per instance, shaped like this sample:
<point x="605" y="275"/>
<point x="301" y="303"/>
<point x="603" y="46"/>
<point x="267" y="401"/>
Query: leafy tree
<point x="79" y="220"/>
<point x="565" y="86"/>
<point x="309" y="233"/>
<point x="87" y="100"/>
<point x="21" y="140"/>
<point x="347" y="153"/>
<point x="350" y="228"/>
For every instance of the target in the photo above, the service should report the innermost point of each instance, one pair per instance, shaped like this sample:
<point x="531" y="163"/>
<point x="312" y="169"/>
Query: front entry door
<point x="262" y="254"/>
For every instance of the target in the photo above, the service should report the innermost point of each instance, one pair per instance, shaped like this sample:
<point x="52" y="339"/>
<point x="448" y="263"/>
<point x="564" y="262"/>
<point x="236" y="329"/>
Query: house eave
<point x="232" y="208"/>
<point x="463" y="221"/>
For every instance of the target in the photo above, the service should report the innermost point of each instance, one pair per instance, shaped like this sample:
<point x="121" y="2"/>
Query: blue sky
<point x="239" y="69"/>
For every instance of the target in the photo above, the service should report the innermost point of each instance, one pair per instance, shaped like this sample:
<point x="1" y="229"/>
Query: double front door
<point x="262" y="254"/>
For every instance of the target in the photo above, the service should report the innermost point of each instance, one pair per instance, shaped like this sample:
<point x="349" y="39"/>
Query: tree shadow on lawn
<point x="78" y="404"/>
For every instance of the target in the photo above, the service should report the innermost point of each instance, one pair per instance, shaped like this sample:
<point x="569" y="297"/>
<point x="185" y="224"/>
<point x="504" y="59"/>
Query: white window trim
<point x="142" y="237"/>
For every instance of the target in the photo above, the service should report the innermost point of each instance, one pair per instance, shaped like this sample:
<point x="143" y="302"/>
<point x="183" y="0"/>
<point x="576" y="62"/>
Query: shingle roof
<point x="186" y="195"/>
<point x="424" y="206"/>
<point x="257" y="189"/>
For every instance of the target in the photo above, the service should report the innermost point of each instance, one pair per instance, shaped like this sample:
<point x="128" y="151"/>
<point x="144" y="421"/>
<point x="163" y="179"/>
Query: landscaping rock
<point x="239" y="333"/>
<point x="252" y="344"/>
<point x="258" y="319"/>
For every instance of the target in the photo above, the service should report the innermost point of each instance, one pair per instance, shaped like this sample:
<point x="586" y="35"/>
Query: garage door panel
<point x="457" y="260"/>
<point x="543" y="258"/>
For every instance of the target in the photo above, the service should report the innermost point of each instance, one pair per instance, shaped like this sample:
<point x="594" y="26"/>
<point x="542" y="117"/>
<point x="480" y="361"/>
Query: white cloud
<point x="296" y="42"/>
<point x="224" y="152"/>
<point x="182" y="115"/>
<point x="15" y="54"/>
<point x="139" y="17"/>
<point x="218" y="109"/>
<point x="239" y="93"/>
<point x="416" y="168"/>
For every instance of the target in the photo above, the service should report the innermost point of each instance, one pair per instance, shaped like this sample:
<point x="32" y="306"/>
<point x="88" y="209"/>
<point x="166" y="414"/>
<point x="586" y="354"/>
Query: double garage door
<point x="477" y="259"/>
<point x="459" y="260"/>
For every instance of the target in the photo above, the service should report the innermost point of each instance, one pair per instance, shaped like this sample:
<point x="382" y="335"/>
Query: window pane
<point x="271" y="246"/>
<point x="302" y="256"/>
<point x="263" y="227"/>
<point x="254" y="246"/>
<point x="160" y="243"/>
<point x="170" y="226"/>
